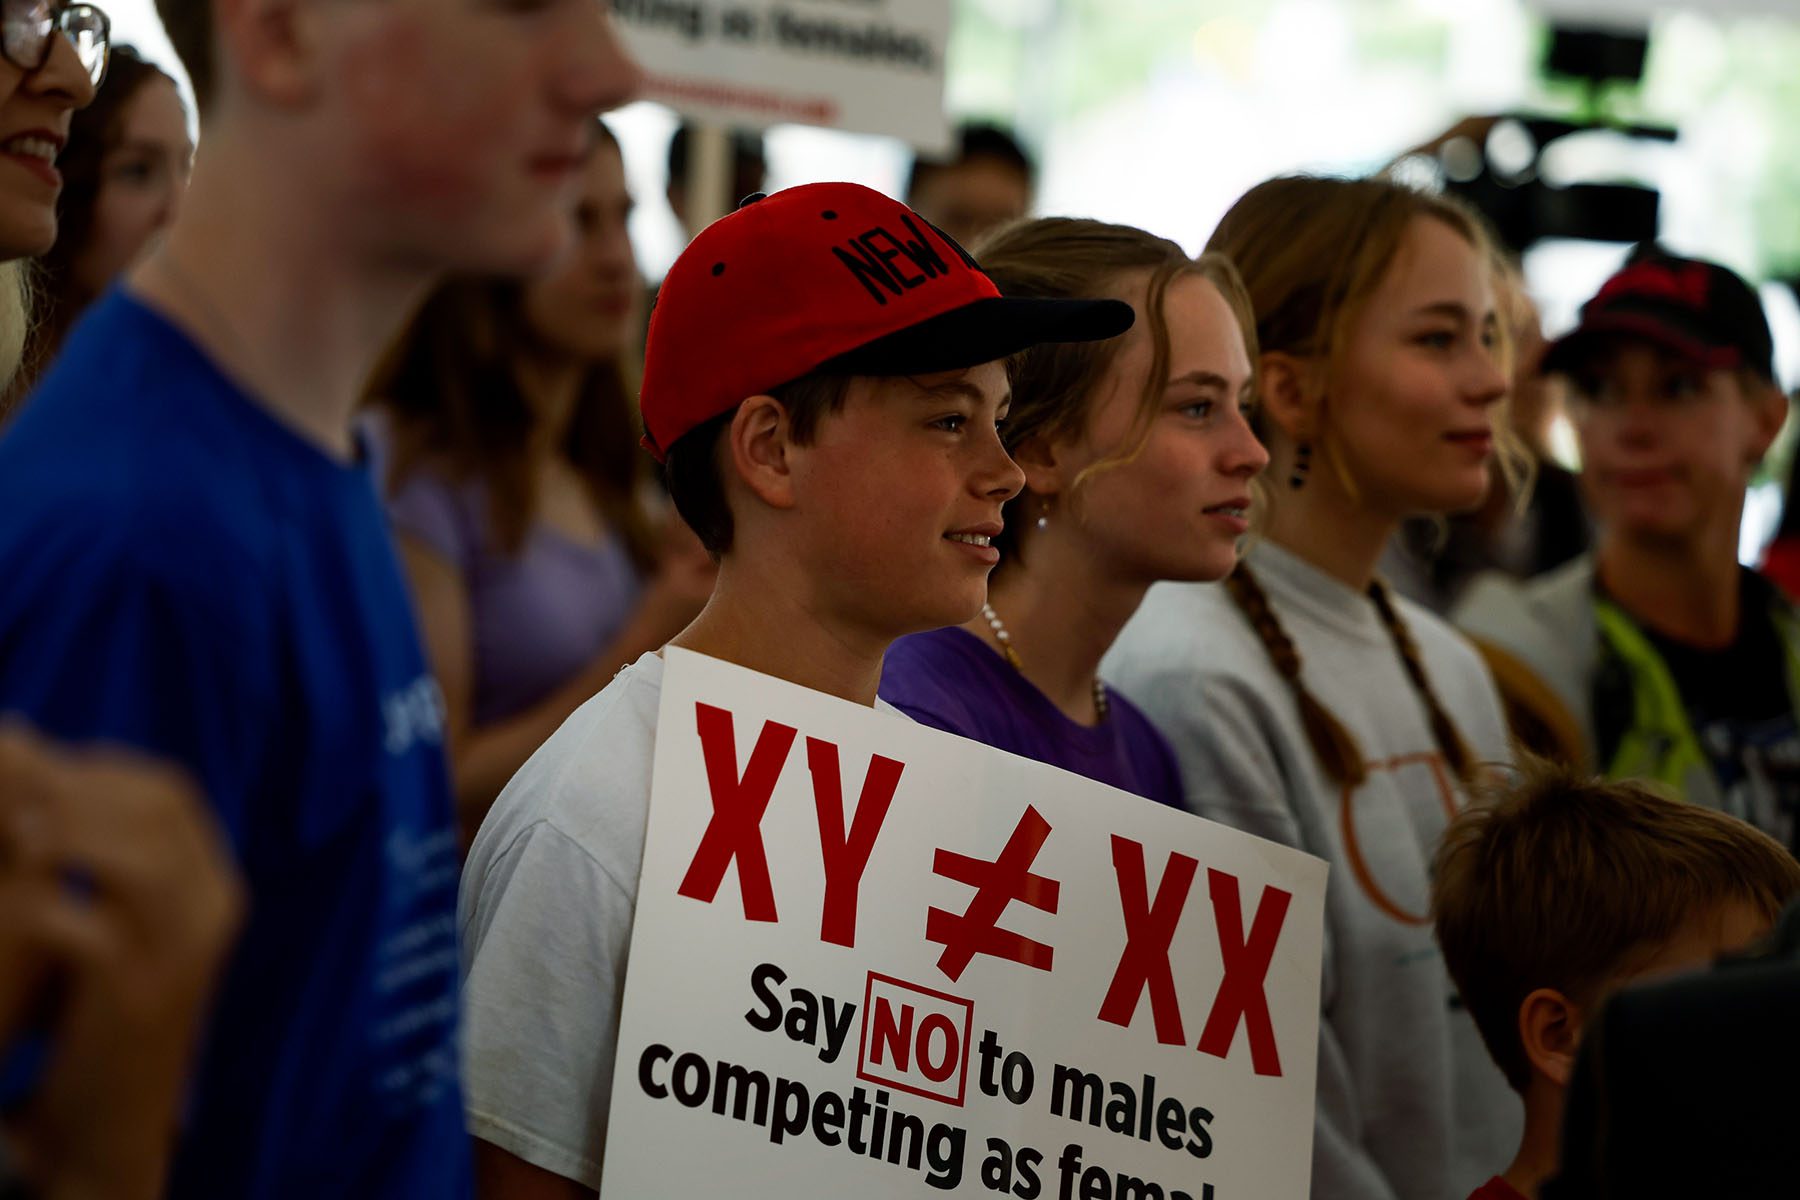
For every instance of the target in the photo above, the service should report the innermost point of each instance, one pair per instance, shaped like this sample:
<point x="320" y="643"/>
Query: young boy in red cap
<point x="823" y="379"/>
<point x="1676" y="663"/>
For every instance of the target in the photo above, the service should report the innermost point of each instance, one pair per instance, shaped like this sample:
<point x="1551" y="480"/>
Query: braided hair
<point x="1443" y="730"/>
<point x="1334" y="745"/>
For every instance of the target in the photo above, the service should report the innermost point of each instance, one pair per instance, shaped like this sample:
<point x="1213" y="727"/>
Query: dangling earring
<point x="1302" y="465"/>
<point x="1043" y="521"/>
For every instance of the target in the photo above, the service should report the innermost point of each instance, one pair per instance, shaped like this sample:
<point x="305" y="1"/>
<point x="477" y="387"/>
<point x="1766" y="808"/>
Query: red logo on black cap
<point x="1685" y="283"/>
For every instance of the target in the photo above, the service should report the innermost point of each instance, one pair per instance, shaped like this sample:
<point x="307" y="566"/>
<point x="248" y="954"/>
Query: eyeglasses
<point x="28" y="29"/>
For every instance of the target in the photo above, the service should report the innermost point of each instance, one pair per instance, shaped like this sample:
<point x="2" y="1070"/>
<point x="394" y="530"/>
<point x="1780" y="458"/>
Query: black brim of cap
<point x="1568" y="352"/>
<point x="981" y="332"/>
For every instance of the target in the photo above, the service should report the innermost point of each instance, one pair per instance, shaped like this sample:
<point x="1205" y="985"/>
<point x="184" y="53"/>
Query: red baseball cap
<point x="832" y="277"/>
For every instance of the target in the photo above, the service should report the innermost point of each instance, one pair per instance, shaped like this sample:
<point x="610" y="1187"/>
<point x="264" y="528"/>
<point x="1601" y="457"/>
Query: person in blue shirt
<point x="117" y="970"/>
<point x="197" y="562"/>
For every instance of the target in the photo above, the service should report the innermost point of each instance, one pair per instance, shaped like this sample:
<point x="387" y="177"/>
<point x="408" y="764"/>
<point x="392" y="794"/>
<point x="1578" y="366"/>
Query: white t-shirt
<point x="545" y="912"/>
<point x="545" y="920"/>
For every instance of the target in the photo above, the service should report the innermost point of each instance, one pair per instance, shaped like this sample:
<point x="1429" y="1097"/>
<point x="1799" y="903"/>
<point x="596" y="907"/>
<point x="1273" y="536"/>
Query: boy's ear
<point x="1550" y="1030"/>
<point x="1286" y="392"/>
<point x="757" y="446"/>
<point x="273" y="47"/>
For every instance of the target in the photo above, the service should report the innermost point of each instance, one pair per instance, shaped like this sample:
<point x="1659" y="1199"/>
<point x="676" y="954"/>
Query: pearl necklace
<point x="1101" y="708"/>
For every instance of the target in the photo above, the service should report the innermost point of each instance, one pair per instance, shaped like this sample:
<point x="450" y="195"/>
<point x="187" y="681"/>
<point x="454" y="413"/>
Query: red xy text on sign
<point x="734" y="834"/>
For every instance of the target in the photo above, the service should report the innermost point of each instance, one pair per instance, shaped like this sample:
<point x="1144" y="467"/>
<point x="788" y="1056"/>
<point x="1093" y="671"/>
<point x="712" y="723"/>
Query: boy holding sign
<point x="823" y="380"/>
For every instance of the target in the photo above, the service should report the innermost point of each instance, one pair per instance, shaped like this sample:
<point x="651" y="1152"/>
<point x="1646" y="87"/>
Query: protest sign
<point x="872" y="959"/>
<point x="867" y="66"/>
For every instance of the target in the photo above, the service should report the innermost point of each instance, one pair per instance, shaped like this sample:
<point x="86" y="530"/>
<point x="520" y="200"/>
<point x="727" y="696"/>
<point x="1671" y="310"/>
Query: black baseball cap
<point x="1698" y="309"/>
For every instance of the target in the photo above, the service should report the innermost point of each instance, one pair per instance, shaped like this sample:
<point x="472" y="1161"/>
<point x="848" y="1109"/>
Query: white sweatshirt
<point x="1410" y="1105"/>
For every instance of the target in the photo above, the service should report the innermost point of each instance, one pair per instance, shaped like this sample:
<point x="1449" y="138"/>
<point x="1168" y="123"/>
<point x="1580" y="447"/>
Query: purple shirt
<point x="537" y="617"/>
<point x="952" y="680"/>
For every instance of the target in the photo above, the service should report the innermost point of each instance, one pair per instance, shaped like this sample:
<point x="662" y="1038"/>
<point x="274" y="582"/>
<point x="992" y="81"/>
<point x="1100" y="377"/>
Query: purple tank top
<point x="952" y="680"/>
<point x="538" y="616"/>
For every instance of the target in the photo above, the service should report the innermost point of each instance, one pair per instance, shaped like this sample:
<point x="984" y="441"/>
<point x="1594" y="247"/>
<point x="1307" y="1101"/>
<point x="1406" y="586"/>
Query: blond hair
<point x="1312" y="250"/>
<point x="1559" y="880"/>
<point x="1054" y="385"/>
<point x="15" y="327"/>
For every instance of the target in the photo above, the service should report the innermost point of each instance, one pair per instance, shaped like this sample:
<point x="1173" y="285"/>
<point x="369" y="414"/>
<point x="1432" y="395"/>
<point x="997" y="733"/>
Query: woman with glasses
<point x="54" y="58"/>
<point x="125" y="170"/>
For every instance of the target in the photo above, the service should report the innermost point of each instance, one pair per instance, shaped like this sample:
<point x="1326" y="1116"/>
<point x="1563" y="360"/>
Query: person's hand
<point x="31" y="896"/>
<point x="117" y="895"/>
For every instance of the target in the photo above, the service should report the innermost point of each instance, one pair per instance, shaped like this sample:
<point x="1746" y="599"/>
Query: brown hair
<point x="1053" y="384"/>
<point x="1334" y="745"/>
<point x="189" y="24"/>
<point x="451" y="386"/>
<point x="452" y="389"/>
<point x="93" y="131"/>
<point x="1564" y="881"/>
<point x="1312" y="250"/>
<point x="695" y="476"/>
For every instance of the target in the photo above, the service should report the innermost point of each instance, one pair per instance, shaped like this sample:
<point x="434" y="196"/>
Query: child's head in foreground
<point x="1560" y="889"/>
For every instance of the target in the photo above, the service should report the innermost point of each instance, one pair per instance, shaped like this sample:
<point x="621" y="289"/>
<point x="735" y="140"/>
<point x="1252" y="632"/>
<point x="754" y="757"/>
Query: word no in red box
<point x="915" y="1039"/>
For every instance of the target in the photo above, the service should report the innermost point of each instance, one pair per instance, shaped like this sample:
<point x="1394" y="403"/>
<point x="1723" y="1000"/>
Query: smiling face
<point x="143" y="175"/>
<point x="1667" y="445"/>
<point x="463" y="125"/>
<point x="34" y="125"/>
<point x="583" y="309"/>
<point x="896" y="496"/>
<point x="1410" y="408"/>
<point x="1175" y="508"/>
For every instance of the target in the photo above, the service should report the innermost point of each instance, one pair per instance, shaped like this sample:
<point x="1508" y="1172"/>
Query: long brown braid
<point x="1443" y="729"/>
<point x="1334" y="745"/>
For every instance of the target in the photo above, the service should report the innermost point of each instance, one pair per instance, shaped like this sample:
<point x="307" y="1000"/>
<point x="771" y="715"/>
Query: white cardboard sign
<point x="867" y="66"/>
<point x="871" y="959"/>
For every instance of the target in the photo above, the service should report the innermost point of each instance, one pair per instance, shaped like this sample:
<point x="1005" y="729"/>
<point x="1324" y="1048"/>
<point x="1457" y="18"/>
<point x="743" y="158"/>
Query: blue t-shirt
<point x="952" y="680"/>
<point x="185" y="574"/>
